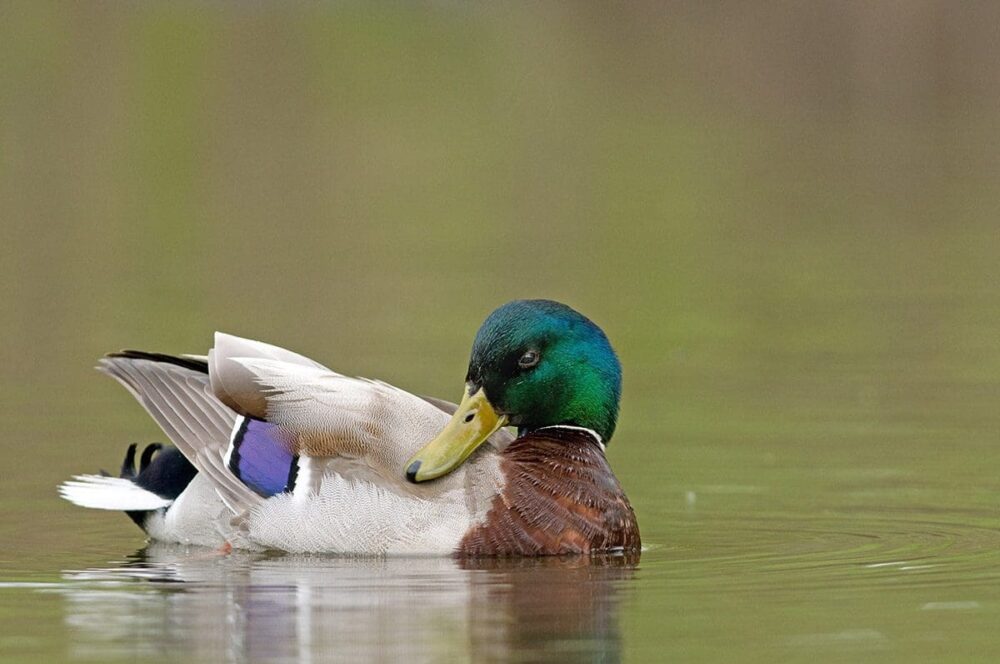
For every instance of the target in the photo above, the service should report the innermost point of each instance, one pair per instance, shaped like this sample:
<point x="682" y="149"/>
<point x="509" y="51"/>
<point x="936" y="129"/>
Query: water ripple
<point x="848" y="551"/>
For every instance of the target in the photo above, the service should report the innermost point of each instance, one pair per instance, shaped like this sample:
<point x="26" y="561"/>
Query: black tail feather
<point x="147" y="456"/>
<point x="163" y="470"/>
<point x="128" y="464"/>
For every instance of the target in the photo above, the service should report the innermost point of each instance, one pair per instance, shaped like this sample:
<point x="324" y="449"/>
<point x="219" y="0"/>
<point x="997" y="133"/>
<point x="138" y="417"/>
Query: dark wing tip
<point x="191" y="363"/>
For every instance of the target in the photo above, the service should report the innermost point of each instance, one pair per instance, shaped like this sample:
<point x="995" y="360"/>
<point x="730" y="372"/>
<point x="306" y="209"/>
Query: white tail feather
<point x="110" y="493"/>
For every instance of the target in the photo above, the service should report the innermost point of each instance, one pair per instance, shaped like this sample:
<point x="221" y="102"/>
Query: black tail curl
<point x="162" y="470"/>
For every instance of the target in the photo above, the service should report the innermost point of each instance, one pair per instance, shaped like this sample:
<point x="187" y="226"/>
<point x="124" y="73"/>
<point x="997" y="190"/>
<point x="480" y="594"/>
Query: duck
<point x="274" y="451"/>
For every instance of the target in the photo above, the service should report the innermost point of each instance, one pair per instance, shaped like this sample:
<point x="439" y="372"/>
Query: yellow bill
<point x="469" y="428"/>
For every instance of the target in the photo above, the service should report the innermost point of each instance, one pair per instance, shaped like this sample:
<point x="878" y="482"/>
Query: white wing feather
<point x="334" y="415"/>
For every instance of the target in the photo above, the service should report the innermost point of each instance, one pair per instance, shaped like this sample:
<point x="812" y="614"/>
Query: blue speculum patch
<point x="261" y="458"/>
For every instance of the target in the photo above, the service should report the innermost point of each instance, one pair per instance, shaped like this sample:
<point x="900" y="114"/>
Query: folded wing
<point x="258" y="420"/>
<point x="179" y="398"/>
<point x="333" y="416"/>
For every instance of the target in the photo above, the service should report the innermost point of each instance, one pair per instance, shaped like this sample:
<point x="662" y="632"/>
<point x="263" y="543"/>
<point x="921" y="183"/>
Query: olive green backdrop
<point x="786" y="216"/>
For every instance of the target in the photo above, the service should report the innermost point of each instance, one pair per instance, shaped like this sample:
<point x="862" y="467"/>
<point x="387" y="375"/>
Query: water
<point x="785" y="219"/>
<point x="294" y="608"/>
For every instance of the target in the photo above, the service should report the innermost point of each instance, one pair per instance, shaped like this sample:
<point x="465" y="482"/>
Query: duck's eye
<point x="529" y="359"/>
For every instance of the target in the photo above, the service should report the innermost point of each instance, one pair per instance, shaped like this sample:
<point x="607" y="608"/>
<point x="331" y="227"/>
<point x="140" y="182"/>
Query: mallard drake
<point x="275" y="451"/>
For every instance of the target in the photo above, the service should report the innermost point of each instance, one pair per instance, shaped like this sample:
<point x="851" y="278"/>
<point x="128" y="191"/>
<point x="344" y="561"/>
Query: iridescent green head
<point x="535" y="363"/>
<point x="543" y="363"/>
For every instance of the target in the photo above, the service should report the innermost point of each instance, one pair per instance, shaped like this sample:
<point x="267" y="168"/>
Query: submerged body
<point x="279" y="452"/>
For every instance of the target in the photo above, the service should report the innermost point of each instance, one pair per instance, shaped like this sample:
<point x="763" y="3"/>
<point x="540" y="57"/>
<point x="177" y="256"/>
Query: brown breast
<point x="559" y="497"/>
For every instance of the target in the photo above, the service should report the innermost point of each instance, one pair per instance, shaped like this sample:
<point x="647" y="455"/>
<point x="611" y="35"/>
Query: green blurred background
<point x="772" y="210"/>
<point x="718" y="185"/>
<point x="784" y="215"/>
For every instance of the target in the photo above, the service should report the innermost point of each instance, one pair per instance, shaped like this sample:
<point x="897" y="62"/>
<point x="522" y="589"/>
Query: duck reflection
<point x="551" y="609"/>
<point x="273" y="608"/>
